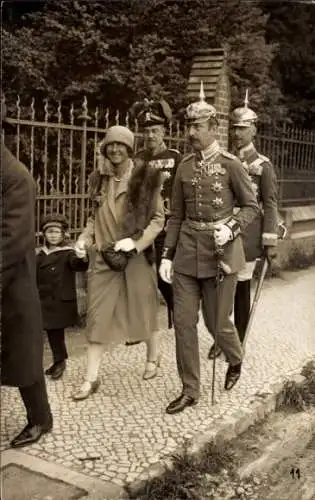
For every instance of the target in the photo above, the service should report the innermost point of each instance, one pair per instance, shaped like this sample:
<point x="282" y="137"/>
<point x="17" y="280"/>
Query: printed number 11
<point x="295" y="473"/>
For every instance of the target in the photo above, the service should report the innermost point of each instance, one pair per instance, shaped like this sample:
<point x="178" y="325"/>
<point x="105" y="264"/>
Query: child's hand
<point x="80" y="250"/>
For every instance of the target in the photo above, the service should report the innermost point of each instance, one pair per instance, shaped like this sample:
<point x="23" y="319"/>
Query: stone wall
<point x="298" y="248"/>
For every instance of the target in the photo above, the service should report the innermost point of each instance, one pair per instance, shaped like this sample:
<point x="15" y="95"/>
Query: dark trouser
<point x="188" y="292"/>
<point x="165" y="288"/>
<point x="242" y="307"/>
<point x="36" y="403"/>
<point x="56" y="339"/>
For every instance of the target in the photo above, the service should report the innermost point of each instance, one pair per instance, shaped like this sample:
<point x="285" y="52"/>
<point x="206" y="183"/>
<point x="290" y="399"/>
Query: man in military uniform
<point x="206" y="185"/>
<point x="154" y="117"/>
<point x="261" y="234"/>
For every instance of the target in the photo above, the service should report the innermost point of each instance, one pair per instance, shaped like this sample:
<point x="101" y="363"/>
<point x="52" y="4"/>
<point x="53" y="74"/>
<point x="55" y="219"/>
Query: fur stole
<point x="143" y="189"/>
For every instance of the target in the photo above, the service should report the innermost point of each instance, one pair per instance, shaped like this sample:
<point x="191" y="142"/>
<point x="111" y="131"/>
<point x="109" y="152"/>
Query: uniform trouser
<point x="36" y="403"/>
<point x="242" y="307"/>
<point x="242" y="298"/>
<point x="188" y="292"/>
<point x="165" y="288"/>
<point x="56" y="339"/>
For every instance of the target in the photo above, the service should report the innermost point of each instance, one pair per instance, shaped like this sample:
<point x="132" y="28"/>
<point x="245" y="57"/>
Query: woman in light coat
<point x="128" y="212"/>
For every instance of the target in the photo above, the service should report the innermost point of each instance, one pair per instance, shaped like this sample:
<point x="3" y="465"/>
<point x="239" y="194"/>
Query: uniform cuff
<point x="235" y="227"/>
<point x="269" y="239"/>
<point x="168" y="253"/>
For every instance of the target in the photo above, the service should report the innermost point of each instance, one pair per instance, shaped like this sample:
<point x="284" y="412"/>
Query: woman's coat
<point x="121" y="305"/>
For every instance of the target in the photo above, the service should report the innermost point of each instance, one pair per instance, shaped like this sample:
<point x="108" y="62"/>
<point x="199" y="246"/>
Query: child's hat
<point x="54" y="220"/>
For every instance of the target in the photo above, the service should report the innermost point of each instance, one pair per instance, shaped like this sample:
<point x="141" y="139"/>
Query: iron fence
<point x="60" y="146"/>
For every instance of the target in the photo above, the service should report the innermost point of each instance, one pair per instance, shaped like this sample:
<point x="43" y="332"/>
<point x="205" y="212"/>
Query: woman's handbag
<point x="117" y="261"/>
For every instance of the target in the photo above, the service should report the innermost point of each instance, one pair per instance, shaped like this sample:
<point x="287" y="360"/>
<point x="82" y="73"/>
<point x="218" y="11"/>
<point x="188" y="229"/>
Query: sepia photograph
<point x="157" y="250"/>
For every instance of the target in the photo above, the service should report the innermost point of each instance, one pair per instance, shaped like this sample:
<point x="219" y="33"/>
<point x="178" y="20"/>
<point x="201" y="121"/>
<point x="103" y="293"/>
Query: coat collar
<point x="49" y="251"/>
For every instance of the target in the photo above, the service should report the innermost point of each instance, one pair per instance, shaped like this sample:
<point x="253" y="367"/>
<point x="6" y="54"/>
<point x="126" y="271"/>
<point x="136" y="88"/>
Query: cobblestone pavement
<point x="124" y="426"/>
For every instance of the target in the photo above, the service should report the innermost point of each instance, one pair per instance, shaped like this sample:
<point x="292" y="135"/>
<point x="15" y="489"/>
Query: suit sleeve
<point x="270" y="205"/>
<point x="244" y="194"/>
<point x="176" y="218"/>
<point x="18" y="232"/>
<point x="154" y="227"/>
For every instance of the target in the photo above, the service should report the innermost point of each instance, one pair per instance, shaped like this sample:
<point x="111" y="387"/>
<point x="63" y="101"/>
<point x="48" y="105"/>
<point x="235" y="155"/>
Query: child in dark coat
<point x="57" y="264"/>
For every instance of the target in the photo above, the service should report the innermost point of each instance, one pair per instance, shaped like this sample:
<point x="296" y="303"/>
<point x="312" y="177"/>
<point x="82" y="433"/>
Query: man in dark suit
<point x="207" y="185"/>
<point x="21" y="329"/>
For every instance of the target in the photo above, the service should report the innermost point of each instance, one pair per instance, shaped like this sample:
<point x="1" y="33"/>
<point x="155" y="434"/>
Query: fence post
<point x="85" y="117"/>
<point x="283" y="142"/>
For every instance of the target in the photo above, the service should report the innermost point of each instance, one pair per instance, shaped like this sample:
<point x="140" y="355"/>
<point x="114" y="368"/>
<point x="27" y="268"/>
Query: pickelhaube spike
<point x="246" y="102"/>
<point x="202" y="96"/>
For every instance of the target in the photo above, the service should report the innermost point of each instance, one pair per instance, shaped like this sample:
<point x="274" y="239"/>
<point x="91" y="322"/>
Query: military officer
<point x="207" y="185"/>
<point x="261" y="234"/>
<point x="154" y="117"/>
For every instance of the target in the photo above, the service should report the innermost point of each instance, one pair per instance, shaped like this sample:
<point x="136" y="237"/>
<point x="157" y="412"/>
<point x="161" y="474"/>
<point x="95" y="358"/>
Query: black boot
<point x="50" y="370"/>
<point x="179" y="404"/>
<point x="58" y="370"/>
<point x="232" y="376"/>
<point x="242" y="307"/>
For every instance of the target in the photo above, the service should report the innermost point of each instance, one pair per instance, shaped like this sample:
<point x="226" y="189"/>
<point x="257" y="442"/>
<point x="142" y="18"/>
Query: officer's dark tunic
<point x="166" y="160"/>
<point x="206" y="189"/>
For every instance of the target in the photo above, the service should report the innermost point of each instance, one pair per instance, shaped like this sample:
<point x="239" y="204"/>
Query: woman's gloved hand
<point x="126" y="245"/>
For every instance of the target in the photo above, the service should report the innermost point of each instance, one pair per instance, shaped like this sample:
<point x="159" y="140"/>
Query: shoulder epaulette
<point x="226" y="154"/>
<point x="188" y="157"/>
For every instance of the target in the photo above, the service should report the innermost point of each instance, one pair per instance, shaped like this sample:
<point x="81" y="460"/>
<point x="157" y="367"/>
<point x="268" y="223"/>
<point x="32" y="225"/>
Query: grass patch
<point x="299" y="396"/>
<point x="189" y="476"/>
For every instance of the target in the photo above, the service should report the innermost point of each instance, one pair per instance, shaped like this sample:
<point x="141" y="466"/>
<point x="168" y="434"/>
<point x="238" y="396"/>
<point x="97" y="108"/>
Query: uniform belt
<point x="204" y="225"/>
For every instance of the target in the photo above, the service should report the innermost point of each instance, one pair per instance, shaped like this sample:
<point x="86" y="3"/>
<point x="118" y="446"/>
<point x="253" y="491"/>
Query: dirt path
<point x="275" y="461"/>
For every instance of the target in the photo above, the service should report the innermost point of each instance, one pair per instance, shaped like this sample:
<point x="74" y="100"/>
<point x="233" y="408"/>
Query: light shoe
<point x="86" y="390"/>
<point x="151" y="368"/>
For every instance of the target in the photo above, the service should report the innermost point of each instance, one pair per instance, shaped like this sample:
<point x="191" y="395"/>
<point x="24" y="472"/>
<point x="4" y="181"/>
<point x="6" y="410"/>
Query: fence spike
<point x="18" y="107"/>
<point x="107" y="118"/>
<point x="127" y="119"/>
<point x="96" y="115"/>
<point x="32" y="109"/>
<point x="59" y="115"/>
<point x="51" y="183"/>
<point x="63" y="182"/>
<point x="38" y="186"/>
<point x="85" y="114"/>
<point x="46" y="109"/>
<point x="71" y="114"/>
<point x="117" y="117"/>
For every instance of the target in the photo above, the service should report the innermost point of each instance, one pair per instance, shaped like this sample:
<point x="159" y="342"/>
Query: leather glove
<point x="270" y="252"/>
<point x="80" y="249"/>
<point x="126" y="245"/>
<point x="166" y="270"/>
<point x="222" y="234"/>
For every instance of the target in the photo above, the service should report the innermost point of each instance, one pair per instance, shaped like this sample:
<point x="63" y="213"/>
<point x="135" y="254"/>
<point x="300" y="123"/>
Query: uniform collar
<point x="243" y="153"/>
<point x="210" y="151"/>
